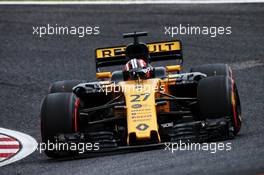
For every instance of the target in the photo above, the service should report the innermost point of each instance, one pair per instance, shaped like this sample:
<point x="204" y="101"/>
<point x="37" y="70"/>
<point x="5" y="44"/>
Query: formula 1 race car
<point x="140" y="105"/>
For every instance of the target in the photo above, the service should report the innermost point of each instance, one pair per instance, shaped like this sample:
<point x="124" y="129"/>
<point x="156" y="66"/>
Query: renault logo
<point x="142" y="127"/>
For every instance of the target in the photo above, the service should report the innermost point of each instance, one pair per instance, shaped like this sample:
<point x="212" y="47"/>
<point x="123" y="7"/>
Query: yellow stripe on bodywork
<point x="141" y="108"/>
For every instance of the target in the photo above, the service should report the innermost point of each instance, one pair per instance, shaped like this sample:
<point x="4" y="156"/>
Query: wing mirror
<point x="174" y="68"/>
<point x="102" y="75"/>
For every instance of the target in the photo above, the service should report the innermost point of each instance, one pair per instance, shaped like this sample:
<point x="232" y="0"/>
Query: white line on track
<point x="128" y="2"/>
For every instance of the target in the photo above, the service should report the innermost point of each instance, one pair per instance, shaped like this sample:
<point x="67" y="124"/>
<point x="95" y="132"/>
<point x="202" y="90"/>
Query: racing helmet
<point x="137" y="68"/>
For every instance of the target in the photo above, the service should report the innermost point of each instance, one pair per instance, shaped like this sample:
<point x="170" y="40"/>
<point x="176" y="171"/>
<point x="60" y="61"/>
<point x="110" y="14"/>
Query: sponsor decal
<point x="157" y="47"/>
<point x="136" y="106"/>
<point x="142" y="127"/>
<point x="143" y="110"/>
<point x="15" y="146"/>
<point x="141" y="116"/>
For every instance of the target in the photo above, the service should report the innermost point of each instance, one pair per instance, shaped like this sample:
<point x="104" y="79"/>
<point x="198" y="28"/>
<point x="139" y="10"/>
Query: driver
<point x="137" y="68"/>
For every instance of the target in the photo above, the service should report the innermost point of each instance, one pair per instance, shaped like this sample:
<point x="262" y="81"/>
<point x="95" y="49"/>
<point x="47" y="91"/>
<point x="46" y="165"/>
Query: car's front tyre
<point x="58" y="116"/>
<point x="218" y="97"/>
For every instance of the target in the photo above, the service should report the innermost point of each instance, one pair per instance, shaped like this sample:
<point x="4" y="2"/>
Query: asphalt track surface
<point x="29" y="63"/>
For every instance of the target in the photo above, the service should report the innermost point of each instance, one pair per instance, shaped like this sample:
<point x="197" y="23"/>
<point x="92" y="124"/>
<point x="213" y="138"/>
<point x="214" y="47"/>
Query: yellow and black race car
<point x="141" y="105"/>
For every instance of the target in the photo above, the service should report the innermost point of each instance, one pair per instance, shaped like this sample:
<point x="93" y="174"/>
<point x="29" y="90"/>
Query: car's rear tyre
<point x="213" y="69"/>
<point x="218" y="97"/>
<point x="64" y="86"/>
<point x="57" y="117"/>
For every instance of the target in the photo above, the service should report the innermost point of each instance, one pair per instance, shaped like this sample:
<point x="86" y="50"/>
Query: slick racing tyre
<point x="58" y="116"/>
<point x="218" y="97"/>
<point x="213" y="69"/>
<point x="64" y="86"/>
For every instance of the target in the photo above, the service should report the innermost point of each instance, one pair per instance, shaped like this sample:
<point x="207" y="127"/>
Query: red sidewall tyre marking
<point x="76" y="107"/>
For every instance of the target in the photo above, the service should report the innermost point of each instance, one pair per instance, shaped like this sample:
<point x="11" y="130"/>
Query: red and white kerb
<point x="9" y="147"/>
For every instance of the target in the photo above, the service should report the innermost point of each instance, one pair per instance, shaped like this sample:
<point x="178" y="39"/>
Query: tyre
<point x="57" y="117"/>
<point x="218" y="97"/>
<point x="213" y="69"/>
<point x="64" y="86"/>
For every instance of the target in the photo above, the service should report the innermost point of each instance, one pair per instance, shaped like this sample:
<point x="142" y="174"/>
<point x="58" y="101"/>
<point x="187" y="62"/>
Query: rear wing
<point x="158" y="51"/>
